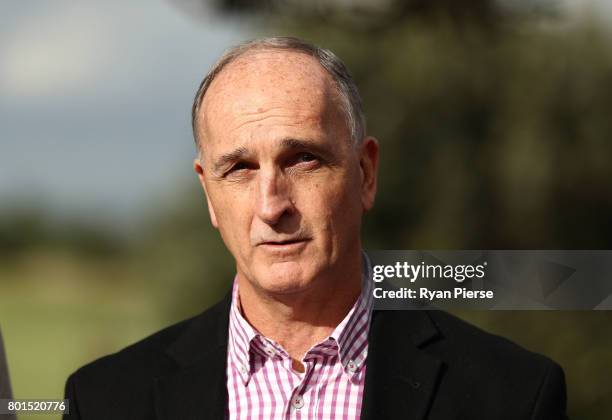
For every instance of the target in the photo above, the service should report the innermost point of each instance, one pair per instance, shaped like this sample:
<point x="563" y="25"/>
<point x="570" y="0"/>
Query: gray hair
<point x="347" y="89"/>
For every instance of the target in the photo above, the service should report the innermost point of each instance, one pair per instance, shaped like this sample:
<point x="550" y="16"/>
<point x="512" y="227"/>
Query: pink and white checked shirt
<point x="262" y="385"/>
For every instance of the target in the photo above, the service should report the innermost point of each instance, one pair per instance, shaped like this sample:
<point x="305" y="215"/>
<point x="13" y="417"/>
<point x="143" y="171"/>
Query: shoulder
<point x="450" y="339"/>
<point x="481" y="372"/>
<point x="148" y="358"/>
<point x="122" y="385"/>
<point x="495" y="374"/>
<point x="145" y="358"/>
<point x="480" y="350"/>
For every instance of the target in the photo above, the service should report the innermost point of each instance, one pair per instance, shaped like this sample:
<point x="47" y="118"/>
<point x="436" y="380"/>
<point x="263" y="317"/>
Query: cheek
<point x="232" y="211"/>
<point x="348" y="209"/>
<point x="333" y="205"/>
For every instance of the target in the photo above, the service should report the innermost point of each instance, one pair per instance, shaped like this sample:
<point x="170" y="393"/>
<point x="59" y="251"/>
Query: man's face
<point x="285" y="186"/>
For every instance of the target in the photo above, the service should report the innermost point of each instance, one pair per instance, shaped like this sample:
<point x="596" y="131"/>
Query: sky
<point x="95" y="102"/>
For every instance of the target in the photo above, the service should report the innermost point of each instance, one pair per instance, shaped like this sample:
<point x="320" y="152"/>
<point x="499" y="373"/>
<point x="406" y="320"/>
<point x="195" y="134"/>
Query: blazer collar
<point x="197" y="389"/>
<point x="400" y="377"/>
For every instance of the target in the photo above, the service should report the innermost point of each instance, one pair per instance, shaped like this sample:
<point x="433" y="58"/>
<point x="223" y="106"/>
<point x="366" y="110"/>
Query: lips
<point x="284" y="248"/>
<point x="284" y="242"/>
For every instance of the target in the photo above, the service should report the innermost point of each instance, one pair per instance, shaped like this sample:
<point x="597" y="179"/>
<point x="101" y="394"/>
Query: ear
<point x="368" y="162"/>
<point x="197" y="166"/>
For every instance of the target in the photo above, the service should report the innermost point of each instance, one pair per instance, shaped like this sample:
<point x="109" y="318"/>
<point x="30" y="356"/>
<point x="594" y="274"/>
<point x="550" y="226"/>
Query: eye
<point x="238" y="167"/>
<point x="306" y="157"/>
<point x="305" y="161"/>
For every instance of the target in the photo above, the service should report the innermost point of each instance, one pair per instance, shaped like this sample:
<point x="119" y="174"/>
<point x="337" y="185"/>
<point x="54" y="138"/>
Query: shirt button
<point x="297" y="402"/>
<point x="243" y="369"/>
<point x="351" y="366"/>
<point x="270" y="351"/>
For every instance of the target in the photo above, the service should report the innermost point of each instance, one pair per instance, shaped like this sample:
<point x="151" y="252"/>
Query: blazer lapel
<point x="197" y="390"/>
<point x="400" y="377"/>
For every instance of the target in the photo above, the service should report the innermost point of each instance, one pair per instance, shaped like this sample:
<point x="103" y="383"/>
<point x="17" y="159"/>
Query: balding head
<point x="341" y="88"/>
<point x="285" y="85"/>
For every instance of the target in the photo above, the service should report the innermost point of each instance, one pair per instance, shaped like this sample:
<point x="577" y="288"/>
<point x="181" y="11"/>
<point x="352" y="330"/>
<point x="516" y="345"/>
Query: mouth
<point x="284" y="245"/>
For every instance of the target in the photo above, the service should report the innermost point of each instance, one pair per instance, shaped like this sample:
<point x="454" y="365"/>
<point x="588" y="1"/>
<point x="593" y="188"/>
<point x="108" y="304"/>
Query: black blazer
<point x="421" y="365"/>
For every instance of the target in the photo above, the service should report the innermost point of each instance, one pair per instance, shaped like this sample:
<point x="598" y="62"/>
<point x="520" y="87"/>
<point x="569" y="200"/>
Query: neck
<point x="300" y="320"/>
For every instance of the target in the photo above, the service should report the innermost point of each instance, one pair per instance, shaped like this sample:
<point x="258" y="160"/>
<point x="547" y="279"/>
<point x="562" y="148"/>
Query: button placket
<point x="297" y="402"/>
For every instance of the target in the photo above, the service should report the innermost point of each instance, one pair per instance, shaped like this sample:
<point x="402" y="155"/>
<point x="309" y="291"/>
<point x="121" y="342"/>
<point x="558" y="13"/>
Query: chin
<point x="285" y="278"/>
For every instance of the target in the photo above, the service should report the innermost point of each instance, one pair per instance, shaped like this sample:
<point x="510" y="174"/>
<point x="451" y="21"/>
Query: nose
<point x="273" y="196"/>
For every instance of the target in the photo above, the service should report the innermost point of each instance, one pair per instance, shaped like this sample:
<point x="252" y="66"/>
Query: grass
<point x="59" y="312"/>
<point x="55" y="316"/>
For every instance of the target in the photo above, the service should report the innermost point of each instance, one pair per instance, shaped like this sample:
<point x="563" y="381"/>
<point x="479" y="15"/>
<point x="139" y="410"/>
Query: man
<point x="288" y="172"/>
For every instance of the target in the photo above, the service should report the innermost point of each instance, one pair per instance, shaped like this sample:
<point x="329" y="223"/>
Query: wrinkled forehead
<point x="264" y="80"/>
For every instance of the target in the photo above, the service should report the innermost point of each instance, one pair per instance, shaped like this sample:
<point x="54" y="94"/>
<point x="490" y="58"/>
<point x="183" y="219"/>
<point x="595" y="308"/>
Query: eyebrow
<point x="305" y="144"/>
<point x="288" y="143"/>
<point x="291" y="143"/>
<point x="228" y="158"/>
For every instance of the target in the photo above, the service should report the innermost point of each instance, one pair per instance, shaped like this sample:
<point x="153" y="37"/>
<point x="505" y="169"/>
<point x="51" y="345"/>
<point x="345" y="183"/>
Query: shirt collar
<point x="241" y="334"/>
<point x="349" y="337"/>
<point x="352" y="332"/>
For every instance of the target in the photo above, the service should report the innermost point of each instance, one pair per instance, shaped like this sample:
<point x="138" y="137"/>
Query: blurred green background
<point x="495" y="131"/>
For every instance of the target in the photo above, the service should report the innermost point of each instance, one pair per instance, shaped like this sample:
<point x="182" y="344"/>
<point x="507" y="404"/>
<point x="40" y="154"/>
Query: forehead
<point x="265" y="83"/>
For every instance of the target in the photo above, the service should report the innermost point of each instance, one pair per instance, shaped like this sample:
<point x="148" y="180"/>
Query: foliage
<point x="494" y="127"/>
